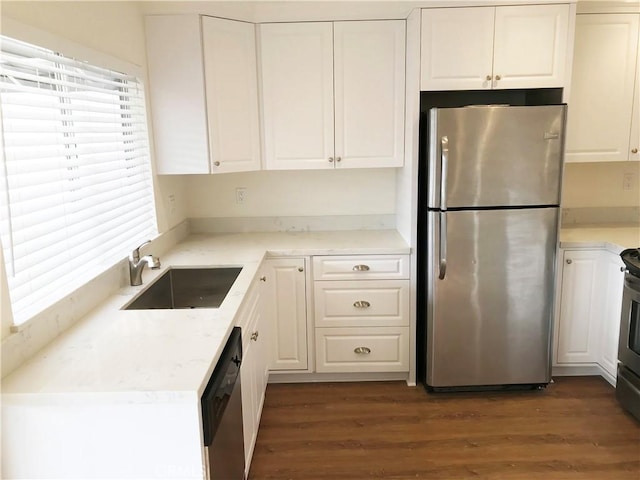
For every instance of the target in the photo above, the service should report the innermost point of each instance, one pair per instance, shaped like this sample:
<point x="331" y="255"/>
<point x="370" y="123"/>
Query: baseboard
<point x="578" y="370"/>
<point x="306" y="377"/>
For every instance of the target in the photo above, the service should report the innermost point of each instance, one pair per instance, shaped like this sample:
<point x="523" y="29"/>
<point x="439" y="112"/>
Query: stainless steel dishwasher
<point x="222" y="414"/>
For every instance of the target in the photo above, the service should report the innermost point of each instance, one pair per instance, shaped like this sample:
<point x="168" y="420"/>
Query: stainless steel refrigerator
<point x="492" y="207"/>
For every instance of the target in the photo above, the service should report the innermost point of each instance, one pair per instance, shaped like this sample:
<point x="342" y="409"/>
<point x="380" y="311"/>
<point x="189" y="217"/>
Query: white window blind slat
<point x="75" y="190"/>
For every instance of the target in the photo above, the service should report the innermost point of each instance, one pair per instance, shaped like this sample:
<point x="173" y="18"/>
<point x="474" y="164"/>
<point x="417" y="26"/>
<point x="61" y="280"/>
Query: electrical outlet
<point x="628" y="181"/>
<point x="172" y="203"/>
<point x="241" y="193"/>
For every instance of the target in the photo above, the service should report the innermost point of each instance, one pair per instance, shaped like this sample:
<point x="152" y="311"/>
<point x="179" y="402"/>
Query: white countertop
<point x="169" y="354"/>
<point x="613" y="238"/>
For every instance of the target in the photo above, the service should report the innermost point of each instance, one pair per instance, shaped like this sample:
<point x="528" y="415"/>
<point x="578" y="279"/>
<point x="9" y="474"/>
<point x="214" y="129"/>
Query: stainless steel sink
<point x="186" y="288"/>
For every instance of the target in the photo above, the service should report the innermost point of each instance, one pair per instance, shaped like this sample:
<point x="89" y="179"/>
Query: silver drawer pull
<point x="362" y="350"/>
<point x="254" y="336"/>
<point x="361" y="268"/>
<point x="361" y="304"/>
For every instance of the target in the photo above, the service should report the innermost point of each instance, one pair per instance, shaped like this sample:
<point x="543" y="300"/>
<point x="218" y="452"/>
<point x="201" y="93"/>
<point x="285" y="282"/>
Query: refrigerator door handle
<point x="444" y="160"/>
<point x="443" y="246"/>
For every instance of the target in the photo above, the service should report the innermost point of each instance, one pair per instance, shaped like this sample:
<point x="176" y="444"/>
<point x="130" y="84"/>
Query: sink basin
<point x="186" y="288"/>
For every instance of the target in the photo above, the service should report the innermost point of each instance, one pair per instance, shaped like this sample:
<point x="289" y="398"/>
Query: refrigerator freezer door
<point x="497" y="155"/>
<point x="489" y="318"/>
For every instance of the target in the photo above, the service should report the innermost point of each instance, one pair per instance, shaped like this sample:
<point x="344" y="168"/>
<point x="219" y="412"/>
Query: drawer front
<point x="378" y="349"/>
<point x="361" y="267"/>
<point x="363" y="303"/>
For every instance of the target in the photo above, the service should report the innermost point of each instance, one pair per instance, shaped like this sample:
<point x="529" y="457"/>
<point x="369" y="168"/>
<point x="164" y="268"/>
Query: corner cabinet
<point x="333" y="94"/>
<point x="590" y="306"/>
<point x="494" y="47"/>
<point x="203" y="94"/>
<point x="286" y="307"/>
<point x="604" y="107"/>
<point x="580" y="307"/>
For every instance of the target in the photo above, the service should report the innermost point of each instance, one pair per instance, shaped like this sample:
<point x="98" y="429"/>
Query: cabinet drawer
<point x="361" y="303"/>
<point x="361" y="267"/>
<point x="376" y="349"/>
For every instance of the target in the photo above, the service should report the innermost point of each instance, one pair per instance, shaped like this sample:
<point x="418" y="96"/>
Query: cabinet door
<point x="249" y="426"/>
<point x="530" y="46"/>
<point x="176" y="90"/>
<point x="253" y="370"/>
<point x="231" y="81"/>
<point x="297" y="95"/>
<point x="456" y="48"/>
<point x="613" y="276"/>
<point x="602" y="88"/>
<point x="580" y="308"/>
<point x="287" y="311"/>
<point x="369" y="62"/>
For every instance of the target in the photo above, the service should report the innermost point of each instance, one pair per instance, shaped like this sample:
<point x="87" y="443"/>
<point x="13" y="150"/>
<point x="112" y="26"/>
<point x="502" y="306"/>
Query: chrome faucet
<point x="136" y="264"/>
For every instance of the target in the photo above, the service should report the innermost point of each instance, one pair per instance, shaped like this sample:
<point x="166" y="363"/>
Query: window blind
<point x="76" y="183"/>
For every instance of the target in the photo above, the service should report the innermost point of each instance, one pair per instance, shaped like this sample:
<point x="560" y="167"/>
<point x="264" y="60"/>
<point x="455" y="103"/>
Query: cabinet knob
<point x="254" y="336"/>
<point x="263" y="279"/>
<point x="569" y="261"/>
<point x="498" y="77"/>
<point x="338" y="159"/>
<point x="361" y="268"/>
<point x="300" y="269"/>
<point x="634" y="150"/>
<point x="488" y="78"/>
<point x="216" y="163"/>
<point x="361" y="304"/>
<point x="362" y="350"/>
<point x="330" y="159"/>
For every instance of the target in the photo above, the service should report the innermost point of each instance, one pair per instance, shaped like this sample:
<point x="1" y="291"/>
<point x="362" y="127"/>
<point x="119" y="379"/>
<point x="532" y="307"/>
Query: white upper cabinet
<point x="203" y="92"/>
<point x="457" y="48"/>
<point x="494" y="47"/>
<point x="603" y="107"/>
<point x="333" y="94"/>
<point x="369" y="71"/>
<point x="297" y="94"/>
<point x="231" y="84"/>
<point x="176" y="90"/>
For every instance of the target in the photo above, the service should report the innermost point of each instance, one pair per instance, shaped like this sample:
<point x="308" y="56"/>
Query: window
<point x="76" y="189"/>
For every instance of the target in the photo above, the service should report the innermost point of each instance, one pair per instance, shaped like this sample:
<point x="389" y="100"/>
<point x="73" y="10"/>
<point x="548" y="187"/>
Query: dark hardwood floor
<point x="572" y="430"/>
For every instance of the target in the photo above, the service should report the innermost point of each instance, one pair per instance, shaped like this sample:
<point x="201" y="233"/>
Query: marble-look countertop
<point x="170" y="354"/>
<point x="613" y="238"/>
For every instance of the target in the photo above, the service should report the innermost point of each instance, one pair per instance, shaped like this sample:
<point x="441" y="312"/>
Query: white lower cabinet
<point x="580" y="307"/>
<point x="361" y="306"/>
<point x="613" y="277"/>
<point x="254" y="370"/>
<point x="286" y="307"/>
<point x="362" y="349"/>
<point x="589" y="310"/>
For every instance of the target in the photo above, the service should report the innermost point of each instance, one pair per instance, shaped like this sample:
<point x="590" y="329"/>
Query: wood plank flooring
<point x="572" y="430"/>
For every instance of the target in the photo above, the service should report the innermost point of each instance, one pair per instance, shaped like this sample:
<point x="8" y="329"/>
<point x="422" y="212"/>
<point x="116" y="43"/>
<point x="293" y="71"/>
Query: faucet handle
<point x="135" y="254"/>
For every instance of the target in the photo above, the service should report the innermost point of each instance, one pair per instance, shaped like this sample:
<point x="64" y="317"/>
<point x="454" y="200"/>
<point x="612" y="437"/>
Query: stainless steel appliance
<point x="492" y="199"/>
<point x="222" y="414"/>
<point x="628" y="381"/>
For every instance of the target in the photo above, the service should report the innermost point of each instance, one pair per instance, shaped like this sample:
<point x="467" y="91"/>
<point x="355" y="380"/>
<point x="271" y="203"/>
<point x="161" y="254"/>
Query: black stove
<point x="631" y="258"/>
<point x="628" y="381"/>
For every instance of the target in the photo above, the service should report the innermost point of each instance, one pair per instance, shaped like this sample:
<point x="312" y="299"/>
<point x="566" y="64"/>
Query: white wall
<point x="115" y="29"/>
<point x="293" y="193"/>
<point x="600" y="185"/>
